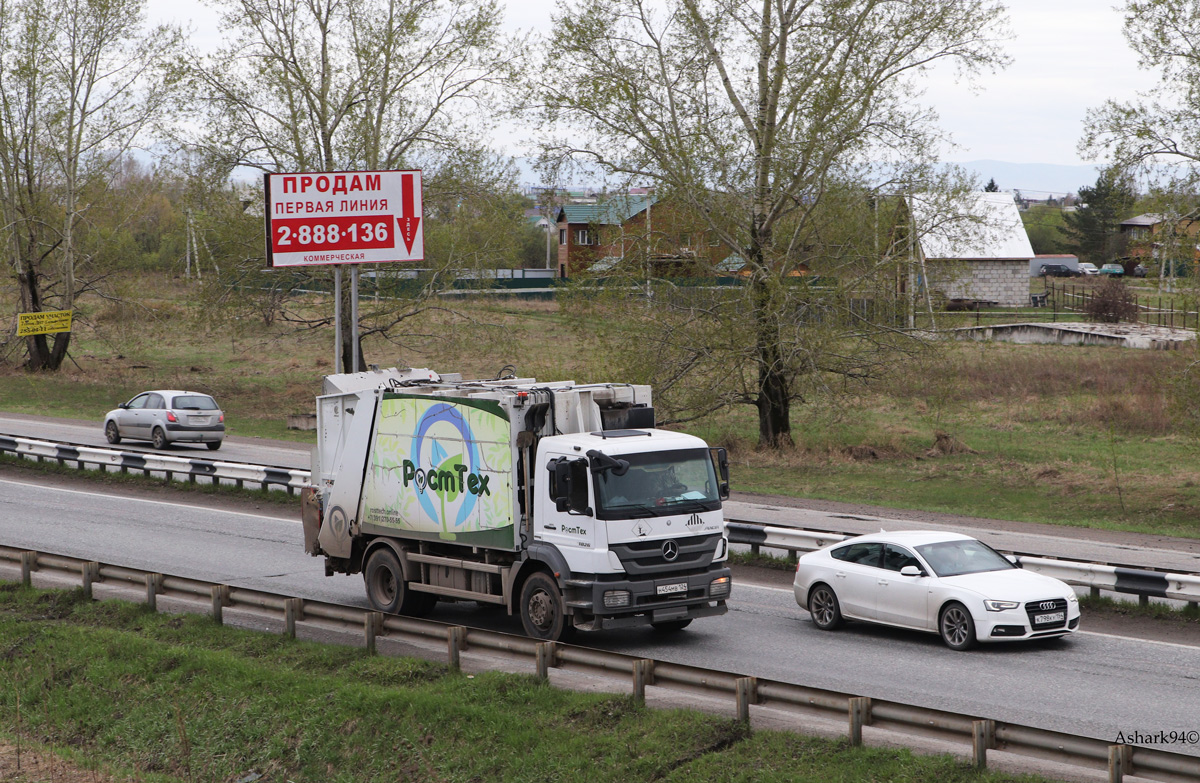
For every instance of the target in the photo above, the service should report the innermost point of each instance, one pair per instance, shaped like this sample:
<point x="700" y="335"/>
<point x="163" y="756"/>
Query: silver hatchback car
<point x="167" y="416"/>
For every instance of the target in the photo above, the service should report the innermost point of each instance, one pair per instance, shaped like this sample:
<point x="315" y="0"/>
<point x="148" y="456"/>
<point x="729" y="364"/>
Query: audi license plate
<point x="681" y="587"/>
<point x="1053" y="617"/>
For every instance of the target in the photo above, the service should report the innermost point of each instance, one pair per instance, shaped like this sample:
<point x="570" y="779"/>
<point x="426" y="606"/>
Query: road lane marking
<point x="190" y="506"/>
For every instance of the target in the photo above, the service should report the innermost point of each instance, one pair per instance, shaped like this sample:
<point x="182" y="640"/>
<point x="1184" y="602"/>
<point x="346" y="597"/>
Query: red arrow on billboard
<point x="408" y="221"/>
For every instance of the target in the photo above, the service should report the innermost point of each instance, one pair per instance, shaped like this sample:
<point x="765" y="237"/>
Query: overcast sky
<point x="1068" y="55"/>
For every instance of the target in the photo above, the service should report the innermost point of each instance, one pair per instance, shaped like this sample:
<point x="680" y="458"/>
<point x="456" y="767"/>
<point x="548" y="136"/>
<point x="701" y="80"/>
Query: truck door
<point x="572" y="531"/>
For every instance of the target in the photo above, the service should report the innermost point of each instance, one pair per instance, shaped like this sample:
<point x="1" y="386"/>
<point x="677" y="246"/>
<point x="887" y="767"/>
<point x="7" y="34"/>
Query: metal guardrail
<point x="859" y="711"/>
<point x="180" y="468"/>
<point x="1144" y="583"/>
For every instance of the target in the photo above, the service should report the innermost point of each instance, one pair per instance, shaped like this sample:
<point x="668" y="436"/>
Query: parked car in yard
<point x="1139" y="270"/>
<point x="944" y="583"/>
<point x="1112" y="270"/>
<point x="1087" y="269"/>
<point x="166" y="416"/>
<point x="1056" y="270"/>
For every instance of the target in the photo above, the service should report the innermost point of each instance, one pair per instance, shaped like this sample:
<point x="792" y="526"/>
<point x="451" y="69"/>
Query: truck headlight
<point x="719" y="588"/>
<point x="1000" y="606"/>
<point x="615" y="599"/>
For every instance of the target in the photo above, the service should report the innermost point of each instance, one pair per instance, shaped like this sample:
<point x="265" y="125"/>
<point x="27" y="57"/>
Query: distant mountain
<point x="1034" y="179"/>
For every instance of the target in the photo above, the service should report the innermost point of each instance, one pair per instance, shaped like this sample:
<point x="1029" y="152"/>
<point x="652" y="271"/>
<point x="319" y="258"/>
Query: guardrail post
<point x="860" y="713"/>
<point x="456" y="637"/>
<point x="91" y="573"/>
<point x="220" y="599"/>
<point x="28" y="566"/>
<point x="153" y="588"/>
<point x="643" y="675"/>
<point x="292" y="610"/>
<point x="754" y="550"/>
<point x="746" y="693"/>
<point x="1120" y="761"/>
<point x="1094" y="591"/>
<point x="1143" y="599"/>
<point x="372" y="624"/>
<point x="547" y="657"/>
<point x="983" y="737"/>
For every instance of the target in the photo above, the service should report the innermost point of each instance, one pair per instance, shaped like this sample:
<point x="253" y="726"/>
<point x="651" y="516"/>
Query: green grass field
<point x="121" y="693"/>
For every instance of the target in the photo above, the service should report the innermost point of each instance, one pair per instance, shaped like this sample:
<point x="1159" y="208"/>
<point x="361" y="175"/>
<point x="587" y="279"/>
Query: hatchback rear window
<point x="195" y="402"/>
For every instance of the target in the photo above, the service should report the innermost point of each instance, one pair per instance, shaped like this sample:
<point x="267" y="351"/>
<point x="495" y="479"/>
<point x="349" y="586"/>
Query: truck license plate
<point x="681" y="587"/>
<point x="1053" y="617"/>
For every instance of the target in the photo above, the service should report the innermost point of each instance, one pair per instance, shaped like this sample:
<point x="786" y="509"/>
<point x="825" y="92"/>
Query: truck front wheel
<point x="386" y="589"/>
<point x="542" y="610"/>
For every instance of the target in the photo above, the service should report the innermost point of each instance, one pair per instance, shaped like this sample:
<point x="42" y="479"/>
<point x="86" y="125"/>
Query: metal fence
<point x="1144" y="583"/>
<point x="180" y="468"/>
<point x="981" y="734"/>
<point x="1152" y="310"/>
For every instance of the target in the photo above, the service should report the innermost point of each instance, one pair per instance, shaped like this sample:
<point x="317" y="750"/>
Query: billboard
<point x="442" y="470"/>
<point x="343" y="217"/>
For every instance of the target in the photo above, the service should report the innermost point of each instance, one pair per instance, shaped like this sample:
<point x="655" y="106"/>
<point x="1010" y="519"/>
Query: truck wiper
<point x="635" y="511"/>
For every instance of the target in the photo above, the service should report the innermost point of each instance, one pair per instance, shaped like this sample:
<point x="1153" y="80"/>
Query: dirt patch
<point x="32" y="765"/>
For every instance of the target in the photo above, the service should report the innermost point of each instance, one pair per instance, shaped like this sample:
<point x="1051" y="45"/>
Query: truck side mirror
<point x="568" y="485"/>
<point x="721" y="459"/>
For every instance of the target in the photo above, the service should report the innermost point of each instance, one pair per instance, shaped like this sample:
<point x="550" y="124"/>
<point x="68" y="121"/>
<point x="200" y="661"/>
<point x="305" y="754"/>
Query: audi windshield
<point x="658" y="484"/>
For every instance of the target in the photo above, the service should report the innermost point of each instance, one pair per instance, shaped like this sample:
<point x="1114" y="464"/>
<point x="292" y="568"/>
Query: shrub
<point x="1111" y="303"/>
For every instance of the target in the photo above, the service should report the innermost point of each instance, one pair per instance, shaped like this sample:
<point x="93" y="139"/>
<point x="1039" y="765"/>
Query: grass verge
<point x="152" y="697"/>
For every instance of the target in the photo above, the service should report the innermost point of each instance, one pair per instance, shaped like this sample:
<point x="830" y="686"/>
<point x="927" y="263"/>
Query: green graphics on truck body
<point x="441" y="469"/>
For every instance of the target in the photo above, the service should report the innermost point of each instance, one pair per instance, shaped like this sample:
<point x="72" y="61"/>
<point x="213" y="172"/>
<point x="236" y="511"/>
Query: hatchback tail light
<point x="222" y="419"/>
<point x="171" y="416"/>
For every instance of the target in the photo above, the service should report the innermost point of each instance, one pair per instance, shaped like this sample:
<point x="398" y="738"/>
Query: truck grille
<point x="1036" y="609"/>
<point x="644" y="557"/>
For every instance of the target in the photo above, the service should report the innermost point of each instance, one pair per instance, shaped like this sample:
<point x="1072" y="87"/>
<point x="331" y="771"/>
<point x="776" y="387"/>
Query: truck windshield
<point x="658" y="484"/>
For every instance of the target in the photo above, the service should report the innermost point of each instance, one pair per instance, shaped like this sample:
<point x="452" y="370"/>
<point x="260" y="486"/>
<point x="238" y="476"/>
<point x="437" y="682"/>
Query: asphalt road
<point x="1129" y="549"/>
<point x="1092" y="684"/>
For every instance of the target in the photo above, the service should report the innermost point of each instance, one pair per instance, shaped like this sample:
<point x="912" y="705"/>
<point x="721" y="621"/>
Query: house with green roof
<point x="638" y="229"/>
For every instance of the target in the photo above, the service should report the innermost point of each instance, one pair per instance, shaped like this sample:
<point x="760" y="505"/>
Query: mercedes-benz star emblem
<point x="670" y="551"/>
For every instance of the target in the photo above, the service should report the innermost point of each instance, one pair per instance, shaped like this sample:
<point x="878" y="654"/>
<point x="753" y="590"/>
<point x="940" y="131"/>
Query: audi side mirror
<point x="911" y="570"/>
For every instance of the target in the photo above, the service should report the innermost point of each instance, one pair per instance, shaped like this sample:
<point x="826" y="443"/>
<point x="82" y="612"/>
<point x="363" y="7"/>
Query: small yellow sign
<point x="43" y="323"/>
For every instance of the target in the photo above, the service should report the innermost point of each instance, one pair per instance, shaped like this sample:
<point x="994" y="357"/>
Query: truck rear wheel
<point x="386" y="589"/>
<point x="542" y="610"/>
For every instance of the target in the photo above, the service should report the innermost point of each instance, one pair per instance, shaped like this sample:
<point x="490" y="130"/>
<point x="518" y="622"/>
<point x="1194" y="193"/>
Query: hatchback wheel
<point x="111" y="433"/>
<point x="824" y="608"/>
<point x="213" y="445"/>
<point x="159" y="438"/>
<point x="957" y="627"/>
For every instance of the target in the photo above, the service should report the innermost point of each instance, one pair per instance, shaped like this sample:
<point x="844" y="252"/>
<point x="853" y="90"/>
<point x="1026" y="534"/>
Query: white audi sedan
<point x="943" y="583"/>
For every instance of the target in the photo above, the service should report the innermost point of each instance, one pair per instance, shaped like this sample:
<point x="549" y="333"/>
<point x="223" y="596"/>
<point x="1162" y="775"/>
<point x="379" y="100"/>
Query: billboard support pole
<point x="354" y="318"/>
<point x="337" y="319"/>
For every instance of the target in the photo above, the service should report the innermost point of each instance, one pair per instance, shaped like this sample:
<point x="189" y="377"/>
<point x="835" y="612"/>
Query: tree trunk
<point x="774" y="398"/>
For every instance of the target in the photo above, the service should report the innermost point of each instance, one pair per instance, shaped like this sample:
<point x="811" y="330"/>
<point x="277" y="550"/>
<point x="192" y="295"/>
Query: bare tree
<point x="754" y="115"/>
<point x="80" y="81"/>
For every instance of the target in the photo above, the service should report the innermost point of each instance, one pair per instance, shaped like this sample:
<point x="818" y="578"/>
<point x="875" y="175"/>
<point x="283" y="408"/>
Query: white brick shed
<point x="974" y="247"/>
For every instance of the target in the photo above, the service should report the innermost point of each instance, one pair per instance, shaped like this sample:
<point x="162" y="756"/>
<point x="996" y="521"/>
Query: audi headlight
<point x="1000" y="606"/>
<point x="615" y="599"/>
<point x="719" y="588"/>
<point x="1072" y="598"/>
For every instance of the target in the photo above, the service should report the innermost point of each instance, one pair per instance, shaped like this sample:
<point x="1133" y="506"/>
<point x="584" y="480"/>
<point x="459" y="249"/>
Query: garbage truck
<point x="560" y="502"/>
